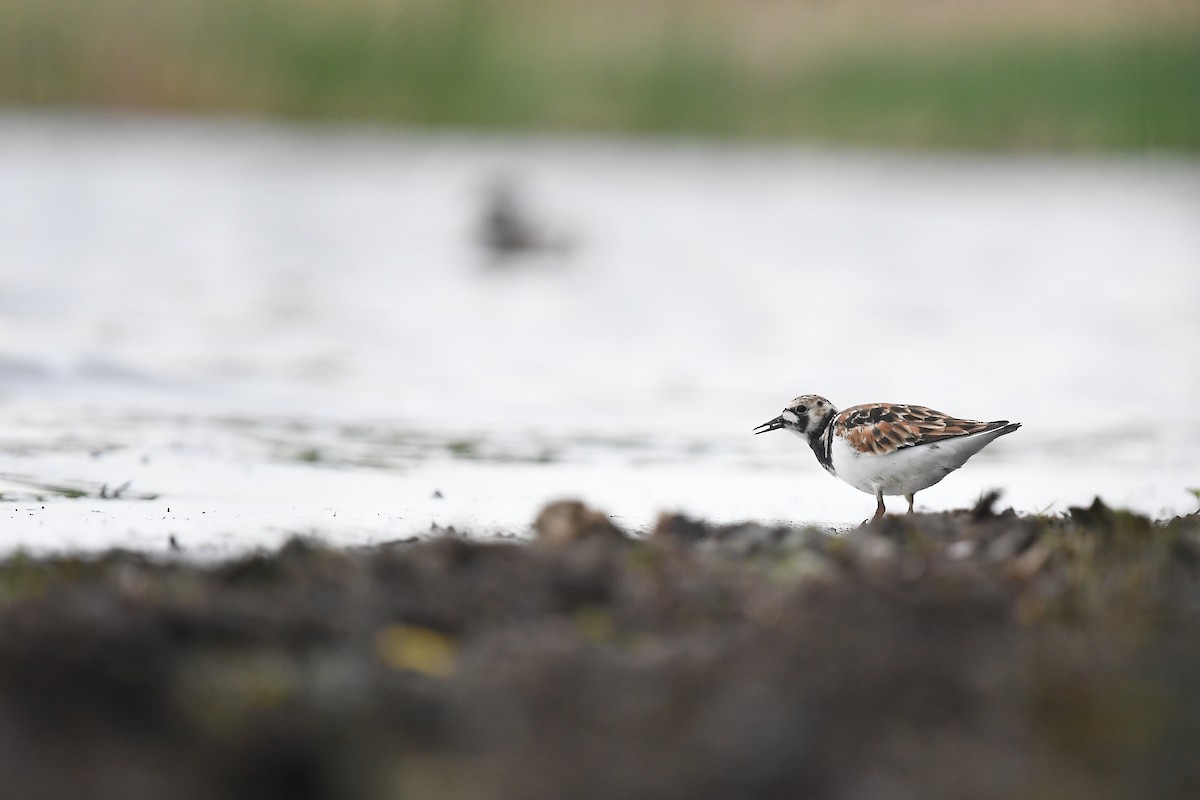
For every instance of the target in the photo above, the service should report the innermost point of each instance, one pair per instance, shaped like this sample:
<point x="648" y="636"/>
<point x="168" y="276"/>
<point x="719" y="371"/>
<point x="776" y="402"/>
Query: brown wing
<point x="879" y="428"/>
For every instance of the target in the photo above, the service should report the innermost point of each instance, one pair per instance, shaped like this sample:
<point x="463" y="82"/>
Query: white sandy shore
<point x="280" y="330"/>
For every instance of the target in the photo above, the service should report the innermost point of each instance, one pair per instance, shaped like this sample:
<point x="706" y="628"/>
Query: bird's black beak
<point x="773" y="425"/>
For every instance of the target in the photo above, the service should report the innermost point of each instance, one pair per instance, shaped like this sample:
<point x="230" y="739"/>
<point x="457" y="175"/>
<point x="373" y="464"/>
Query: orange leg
<point x="879" y="509"/>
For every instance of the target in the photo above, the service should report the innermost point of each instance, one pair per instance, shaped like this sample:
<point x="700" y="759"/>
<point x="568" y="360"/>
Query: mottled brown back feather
<point x="879" y="428"/>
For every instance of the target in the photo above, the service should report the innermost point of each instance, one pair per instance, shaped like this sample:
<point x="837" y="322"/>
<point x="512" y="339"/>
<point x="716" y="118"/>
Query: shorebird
<point x="886" y="448"/>
<point x="510" y="228"/>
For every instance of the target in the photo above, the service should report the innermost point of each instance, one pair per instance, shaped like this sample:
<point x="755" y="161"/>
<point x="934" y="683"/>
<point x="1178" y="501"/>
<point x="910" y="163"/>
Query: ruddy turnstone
<point x="886" y="448"/>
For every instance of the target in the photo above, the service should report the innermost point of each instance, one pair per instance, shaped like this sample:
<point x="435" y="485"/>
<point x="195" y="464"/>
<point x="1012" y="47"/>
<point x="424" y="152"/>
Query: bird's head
<point x="804" y="416"/>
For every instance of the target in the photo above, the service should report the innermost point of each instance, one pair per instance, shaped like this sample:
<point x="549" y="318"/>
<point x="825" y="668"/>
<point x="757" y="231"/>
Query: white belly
<point x="907" y="470"/>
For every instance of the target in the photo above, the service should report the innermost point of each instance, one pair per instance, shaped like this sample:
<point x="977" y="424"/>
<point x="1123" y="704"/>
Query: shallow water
<point x="272" y="329"/>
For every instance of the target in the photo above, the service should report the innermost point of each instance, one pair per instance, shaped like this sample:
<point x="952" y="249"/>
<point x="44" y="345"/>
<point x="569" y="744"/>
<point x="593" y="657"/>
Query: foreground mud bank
<point x="966" y="654"/>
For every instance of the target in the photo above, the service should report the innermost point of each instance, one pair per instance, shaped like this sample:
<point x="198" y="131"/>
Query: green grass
<point x="540" y="65"/>
<point x="1031" y="94"/>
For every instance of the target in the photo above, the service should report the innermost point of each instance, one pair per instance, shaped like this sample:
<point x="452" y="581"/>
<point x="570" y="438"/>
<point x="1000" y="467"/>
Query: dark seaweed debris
<point x="956" y="655"/>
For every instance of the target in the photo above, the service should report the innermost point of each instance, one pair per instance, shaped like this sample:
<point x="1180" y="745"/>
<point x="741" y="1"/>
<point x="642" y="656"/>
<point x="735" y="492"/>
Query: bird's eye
<point x="801" y="409"/>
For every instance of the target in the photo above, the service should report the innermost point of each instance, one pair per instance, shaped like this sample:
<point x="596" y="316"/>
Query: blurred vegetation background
<point x="998" y="74"/>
